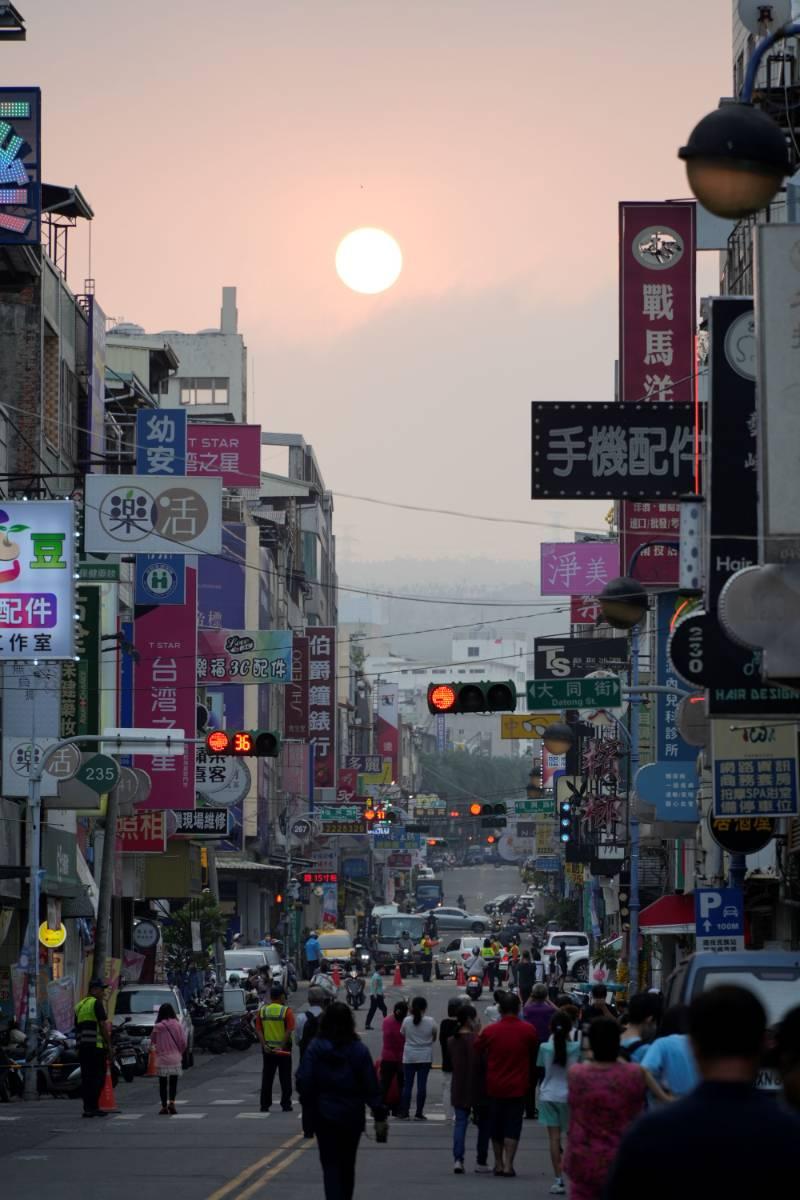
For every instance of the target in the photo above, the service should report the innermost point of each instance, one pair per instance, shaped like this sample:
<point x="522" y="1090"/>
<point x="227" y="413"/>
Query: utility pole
<point x="213" y="888"/>
<point x="106" y="890"/>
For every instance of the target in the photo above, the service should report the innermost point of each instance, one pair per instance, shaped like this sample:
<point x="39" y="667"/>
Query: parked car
<point x="457" y="918"/>
<point x="577" y="945"/>
<point x="454" y="951"/>
<point x="336" y="946"/>
<point x="137" y="1008"/>
<point x="773" y="975"/>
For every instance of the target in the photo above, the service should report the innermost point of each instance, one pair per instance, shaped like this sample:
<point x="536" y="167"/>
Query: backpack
<point x="627" y="1052"/>
<point x="310" y="1031"/>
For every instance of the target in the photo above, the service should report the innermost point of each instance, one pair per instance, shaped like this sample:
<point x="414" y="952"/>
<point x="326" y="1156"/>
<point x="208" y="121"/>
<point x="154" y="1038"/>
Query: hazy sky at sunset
<point x="235" y="143"/>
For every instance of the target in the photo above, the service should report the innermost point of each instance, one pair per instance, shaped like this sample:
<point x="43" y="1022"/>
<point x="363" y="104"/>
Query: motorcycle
<point x="240" y="1033"/>
<point x="354" y="989"/>
<point x="12" y="1064"/>
<point x="362" y="957"/>
<point x="474" y="987"/>
<point x="406" y="959"/>
<point x="210" y="1022"/>
<point x="130" y="1052"/>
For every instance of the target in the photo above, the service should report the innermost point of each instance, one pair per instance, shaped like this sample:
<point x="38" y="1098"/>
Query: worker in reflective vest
<point x="274" y="1028"/>
<point x="91" y="1026"/>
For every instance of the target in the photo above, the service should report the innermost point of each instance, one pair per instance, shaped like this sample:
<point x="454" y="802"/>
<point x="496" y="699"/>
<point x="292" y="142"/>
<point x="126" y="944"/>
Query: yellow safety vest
<point x="87" y="1024"/>
<point x="273" y="1025"/>
<point x="487" y="952"/>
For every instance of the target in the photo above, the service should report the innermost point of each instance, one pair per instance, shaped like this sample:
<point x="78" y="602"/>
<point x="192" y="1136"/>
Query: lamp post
<point x="737" y="157"/>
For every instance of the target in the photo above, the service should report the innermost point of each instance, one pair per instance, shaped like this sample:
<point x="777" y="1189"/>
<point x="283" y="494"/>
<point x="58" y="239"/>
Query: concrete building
<point x="210" y="376"/>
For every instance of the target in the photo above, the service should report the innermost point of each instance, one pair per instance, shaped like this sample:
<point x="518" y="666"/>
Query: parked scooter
<point x="354" y="989"/>
<point x="12" y="1063"/>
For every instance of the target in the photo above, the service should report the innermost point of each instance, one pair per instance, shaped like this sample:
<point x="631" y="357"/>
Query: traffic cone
<point x="335" y="976"/>
<point x="398" y="977"/>
<point x="107" y="1101"/>
<point x="460" y="977"/>
<point x="486" y="979"/>
<point x="151" y="1064"/>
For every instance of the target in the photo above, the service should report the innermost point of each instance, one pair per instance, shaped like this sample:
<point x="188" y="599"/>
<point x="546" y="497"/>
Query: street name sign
<point x="593" y="692"/>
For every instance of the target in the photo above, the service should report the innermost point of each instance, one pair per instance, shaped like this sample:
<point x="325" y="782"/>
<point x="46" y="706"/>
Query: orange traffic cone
<point x="398" y="977"/>
<point x="335" y="976"/>
<point x="486" y="979"/>
<point x="460" y="977"/>
<point x="107" y="1101"/>
<point x="151" y="1064"/>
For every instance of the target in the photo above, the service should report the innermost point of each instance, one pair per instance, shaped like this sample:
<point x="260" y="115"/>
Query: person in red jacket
<point x="508" y="1049"/>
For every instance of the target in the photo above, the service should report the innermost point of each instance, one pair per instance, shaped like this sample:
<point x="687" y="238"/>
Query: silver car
<point x="457" y="918"/>
<point x="137" y="1008"/>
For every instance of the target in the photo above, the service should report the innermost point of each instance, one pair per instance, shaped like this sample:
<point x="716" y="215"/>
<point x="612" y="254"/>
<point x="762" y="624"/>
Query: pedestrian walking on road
<point x="526" y="976"/>
<point x="92" y="1028"/>
<point x="605" y="1096"/>
<point x="274" y="1027"/>
<point x="562" y="961"/>
<point x="376" y="1000"/>
<point x="312" y="953"/>
<point x="447" y="1030"/>
<point x="644" y="1010"/>
<point x="392" y="1056"/>
<point x="670" y="1059"/>
<point x="726" y="1138"/>
<point x="336" y="1081"/>
<point x="168" y="1039"/>
<point x="306" y="1024"/>
<point x="420" y="1033"/>
<point x="555" y="1055"/>
<point x="467" y="1093"/>
<point x="508" y="1051"/>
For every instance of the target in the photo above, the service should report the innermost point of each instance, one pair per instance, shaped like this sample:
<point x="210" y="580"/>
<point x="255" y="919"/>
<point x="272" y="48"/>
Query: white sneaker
<point x="483" y="1169"/>
<point x="458" y="1167"/>
<point x="558" y="1188"/>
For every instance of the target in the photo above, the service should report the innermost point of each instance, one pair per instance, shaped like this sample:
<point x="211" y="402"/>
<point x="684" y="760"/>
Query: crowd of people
<point x="616" y="1091"/>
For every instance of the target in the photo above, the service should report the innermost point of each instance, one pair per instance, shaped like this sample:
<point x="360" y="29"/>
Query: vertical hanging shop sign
<point x="80" y="681"/>
<point x="388" y="732"/>
<point x="657" y="351"/>
<point x="164" y="697"/>
<point x="295" y="722"/>
<point x="322" y="702"/>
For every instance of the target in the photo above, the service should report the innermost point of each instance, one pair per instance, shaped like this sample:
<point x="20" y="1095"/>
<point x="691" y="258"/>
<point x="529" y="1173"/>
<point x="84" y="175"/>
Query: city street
<point x="219" y="1147"/>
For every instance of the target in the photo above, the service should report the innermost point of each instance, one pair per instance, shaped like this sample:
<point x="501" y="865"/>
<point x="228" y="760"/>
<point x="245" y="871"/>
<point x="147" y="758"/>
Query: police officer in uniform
<point x="274" y="1028"/>
<point x="91" y="1024"/>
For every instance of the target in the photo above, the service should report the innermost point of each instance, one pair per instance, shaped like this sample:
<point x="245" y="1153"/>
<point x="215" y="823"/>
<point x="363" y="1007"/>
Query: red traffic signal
<point x="255" y="743"/>
<point x="472" y="697"/>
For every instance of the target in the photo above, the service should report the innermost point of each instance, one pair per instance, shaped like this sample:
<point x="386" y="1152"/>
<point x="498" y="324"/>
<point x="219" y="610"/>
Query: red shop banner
<point x="657" y="356"/>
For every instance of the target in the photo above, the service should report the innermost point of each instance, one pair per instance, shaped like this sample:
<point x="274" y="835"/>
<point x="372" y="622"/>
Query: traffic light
<point x="472" y="697"/>
<point x="475" y="809"/>
<point x="240" y="743"/>
<point x="491" y="839"/>
<point x="565" y="819"/>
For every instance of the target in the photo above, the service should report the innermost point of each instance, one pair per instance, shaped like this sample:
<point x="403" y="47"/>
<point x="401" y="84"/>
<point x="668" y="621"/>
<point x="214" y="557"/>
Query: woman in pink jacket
<point x="169" y="1042"/>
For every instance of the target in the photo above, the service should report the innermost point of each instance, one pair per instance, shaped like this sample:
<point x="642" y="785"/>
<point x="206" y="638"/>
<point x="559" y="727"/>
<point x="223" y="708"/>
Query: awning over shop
<point x="246" y="864"/>
<point x="670" y="914"/>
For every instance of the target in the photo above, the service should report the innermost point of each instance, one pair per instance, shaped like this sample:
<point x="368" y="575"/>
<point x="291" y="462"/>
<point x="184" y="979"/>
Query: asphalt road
<point x="220" y="1147"/>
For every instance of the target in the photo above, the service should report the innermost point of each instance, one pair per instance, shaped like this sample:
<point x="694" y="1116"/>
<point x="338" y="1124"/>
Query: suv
<point x="772" y="975"/>
<point x="577" y="945"/>
<point x="454" y="952"/>
<point x="240" y="961"/>
<point x="137" y="1007"/>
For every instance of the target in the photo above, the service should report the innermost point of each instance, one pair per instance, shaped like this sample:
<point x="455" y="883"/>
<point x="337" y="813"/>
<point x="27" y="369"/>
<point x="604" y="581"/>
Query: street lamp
<point x="623" y="602"/>
<point x="558" y="738"/>
<point x="737" y="157"/>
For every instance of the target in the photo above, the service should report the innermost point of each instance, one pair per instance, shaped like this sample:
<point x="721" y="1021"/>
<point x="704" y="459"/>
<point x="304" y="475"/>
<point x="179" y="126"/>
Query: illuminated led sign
<point x="20" y="166"/>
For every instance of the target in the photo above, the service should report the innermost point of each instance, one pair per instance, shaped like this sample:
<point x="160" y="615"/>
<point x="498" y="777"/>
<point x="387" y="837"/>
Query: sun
<point x="368" y="260"/>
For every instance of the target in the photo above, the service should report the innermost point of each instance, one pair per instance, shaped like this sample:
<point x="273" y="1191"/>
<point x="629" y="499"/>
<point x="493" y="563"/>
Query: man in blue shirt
<point x="641" y="1029"/>
<point x="726" y="1138"/>
<point x="670" y="1058"/>
<point x="312" y="953"/>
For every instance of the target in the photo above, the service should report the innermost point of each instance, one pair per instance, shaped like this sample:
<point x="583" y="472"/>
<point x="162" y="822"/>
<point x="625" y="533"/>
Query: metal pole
<point x="32" y="1019"/>
<point x="633" y="819"/>
<point x="102" y="937"/>
<point x="213" y="887"/>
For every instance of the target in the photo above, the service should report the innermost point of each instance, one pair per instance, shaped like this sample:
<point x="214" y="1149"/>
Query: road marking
<point x="9" y="1118"/>
<point x="239" y="1101"/>
<point x="188" y="1116"/>
<point x="129" y="1116"/>
<point x="31" y="1157"/>
<point x="273" y="1171"/>
<point x="251" y="1170"/>
<point x="257" y="1116"/>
